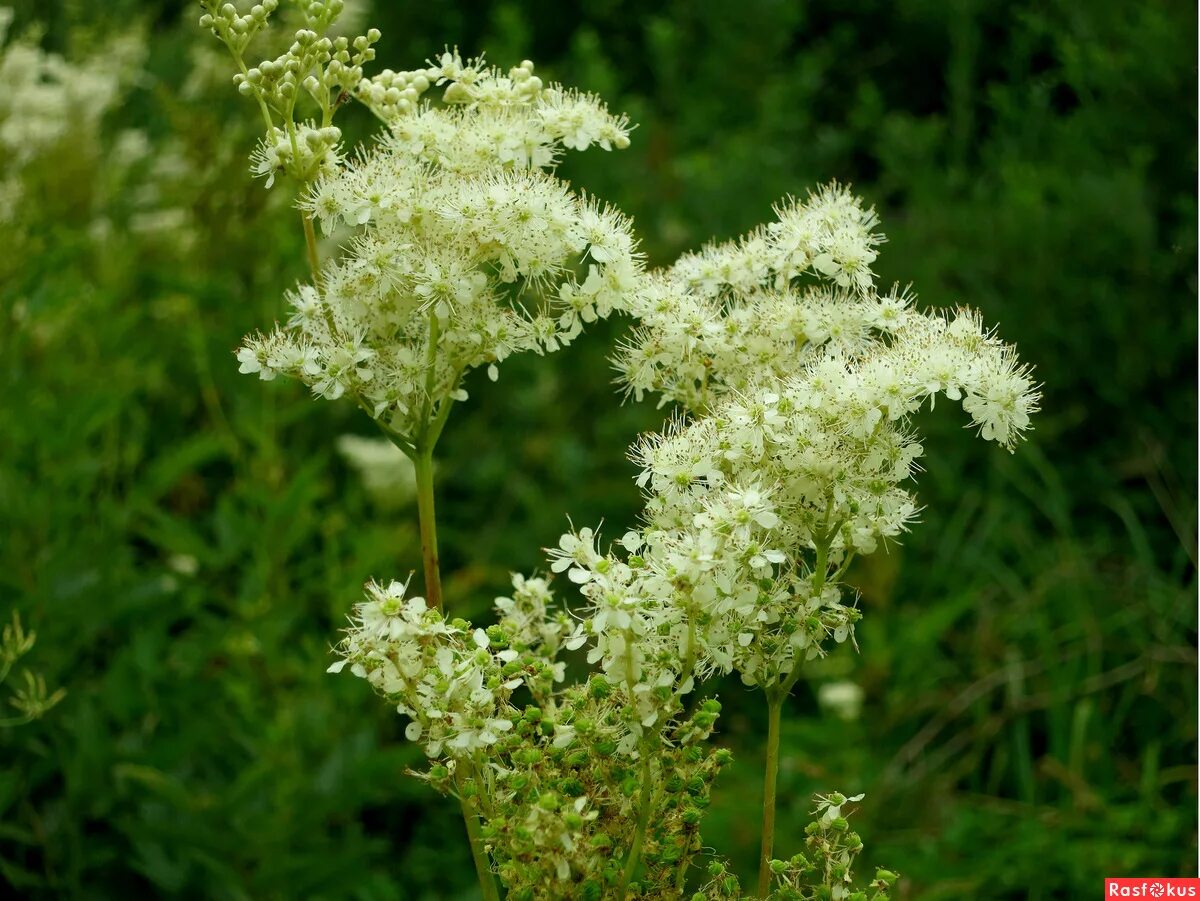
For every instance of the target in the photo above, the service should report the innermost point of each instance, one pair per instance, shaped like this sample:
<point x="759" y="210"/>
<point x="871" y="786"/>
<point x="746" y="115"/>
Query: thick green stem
<point x="639" y="835"/>
<point x="423" y="466"/>
<point x="483" y="868"/>
<point x="775" y="700"/>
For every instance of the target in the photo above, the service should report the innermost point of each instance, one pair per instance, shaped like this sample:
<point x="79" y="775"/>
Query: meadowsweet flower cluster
<point x="561" y="783"/>
<point x="798" y="451"/>
<point x="465" y="250"/>
<point x="784" y="465"/>
<point x="796" y="383"/>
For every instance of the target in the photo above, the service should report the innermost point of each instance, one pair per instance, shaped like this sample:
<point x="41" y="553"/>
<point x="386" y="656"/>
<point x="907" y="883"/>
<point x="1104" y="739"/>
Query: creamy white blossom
<point x="461" y="253"/>
<point x="437" y="673"/>
<point x="797" y="451"/>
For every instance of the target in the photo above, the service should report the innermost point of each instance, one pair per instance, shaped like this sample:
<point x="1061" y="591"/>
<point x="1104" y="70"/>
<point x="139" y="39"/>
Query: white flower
<point x="455" y="218"/>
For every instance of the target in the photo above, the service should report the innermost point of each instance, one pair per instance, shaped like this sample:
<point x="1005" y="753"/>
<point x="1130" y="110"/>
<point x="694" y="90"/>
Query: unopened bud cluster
<point x="315" y="70"/>
<point x="824" y="871"/>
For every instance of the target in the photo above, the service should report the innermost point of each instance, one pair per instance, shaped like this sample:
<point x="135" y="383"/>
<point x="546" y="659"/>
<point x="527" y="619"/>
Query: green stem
<point x="314" y="263"/>
<point x="639" y="835"/>
<point x="423" y="466"/>
<point x="775" y="699"/>
<point x="821" y="567"/>
<point x="310" y="242"/>
<point x="483" y="868"/>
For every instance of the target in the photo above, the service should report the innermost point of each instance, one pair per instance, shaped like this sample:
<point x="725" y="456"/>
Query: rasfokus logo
<point x="1152" y="888"/>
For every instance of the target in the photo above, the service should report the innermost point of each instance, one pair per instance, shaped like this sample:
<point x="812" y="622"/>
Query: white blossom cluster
<point x="441" y="675"/>
<point x="797" y="455"/>
<point x="463" y="254"/>
<point x="730" y="316"/>
<point x="453" y="681"/>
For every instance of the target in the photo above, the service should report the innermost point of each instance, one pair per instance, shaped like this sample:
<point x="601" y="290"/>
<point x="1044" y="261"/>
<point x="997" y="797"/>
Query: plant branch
<point x="775" y="698"/>
<point x="639" y="835"/>
<point x="314" y="259"/>
<point x="483" y="867"/>
<point x="423" y="467"/>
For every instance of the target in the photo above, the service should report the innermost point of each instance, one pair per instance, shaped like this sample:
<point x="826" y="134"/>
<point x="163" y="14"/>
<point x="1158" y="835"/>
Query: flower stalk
<point x="483" y="867"/>
<point x="639" y="835"/>
<point x="423" y="467"/>
<point x="775" y="700"/>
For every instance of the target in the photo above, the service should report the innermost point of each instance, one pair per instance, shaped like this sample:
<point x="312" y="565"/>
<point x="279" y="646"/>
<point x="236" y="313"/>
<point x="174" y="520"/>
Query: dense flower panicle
<point x="797" y="454"/>
<point x="797" y="383"/>
<point x="732" y="314"/>
<point x="440" y="674"/>
<point x="563" y="776"/>
<point x="462" y="255"/>
<point x="740" y="499"/>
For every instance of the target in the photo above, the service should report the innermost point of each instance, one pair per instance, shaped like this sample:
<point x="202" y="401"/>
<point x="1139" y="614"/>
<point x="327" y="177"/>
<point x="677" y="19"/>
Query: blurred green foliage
<point x="186" y="541"/>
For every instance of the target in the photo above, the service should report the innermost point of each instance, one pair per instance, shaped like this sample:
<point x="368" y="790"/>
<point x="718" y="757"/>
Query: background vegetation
<point x="186" y="541"/>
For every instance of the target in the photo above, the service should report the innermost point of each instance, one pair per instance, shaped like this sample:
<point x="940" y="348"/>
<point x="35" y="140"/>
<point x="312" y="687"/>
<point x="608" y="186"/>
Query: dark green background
<point x="1028" y="655"/>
